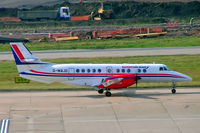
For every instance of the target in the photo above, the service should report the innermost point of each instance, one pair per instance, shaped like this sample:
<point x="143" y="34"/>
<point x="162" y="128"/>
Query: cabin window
<point x="123" y="70"/>
<point x="93" y="70"/>
<point x="82" y="70"/>
<point x="88" y="70"/>
<point x="99" y="70"/>
<point x="161" y="68"/>
<point x="165" y="68"/>
<point x="144" y="70"/>
<point x="77" y="70"/>
<point x="117" y="70"/>
<point x="139" y="70"/>
<point x="128" y="70"/>
<point x="109" y="70"/>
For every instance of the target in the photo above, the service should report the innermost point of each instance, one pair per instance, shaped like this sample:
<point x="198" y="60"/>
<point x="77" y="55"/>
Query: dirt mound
<point x="27" y="3"/>
<point x="123" y="10"/>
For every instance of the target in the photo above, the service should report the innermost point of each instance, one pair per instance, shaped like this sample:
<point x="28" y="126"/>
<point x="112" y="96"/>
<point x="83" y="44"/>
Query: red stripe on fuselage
<point x="158" y="74"/>
<point x="18" y="52"/>
<point x="73" y="73"/>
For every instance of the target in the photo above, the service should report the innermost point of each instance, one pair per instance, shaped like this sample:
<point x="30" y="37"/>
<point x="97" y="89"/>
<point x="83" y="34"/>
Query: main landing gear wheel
<point x="100" y="91"/>
<point x="108" y="93"/>
<point x="173" y="87"/>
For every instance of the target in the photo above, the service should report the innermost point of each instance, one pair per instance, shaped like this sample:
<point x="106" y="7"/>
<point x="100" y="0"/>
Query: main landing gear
<point x="101" y="91"/>
<point x="173" y="87"/>
<point x="107" y="93"/>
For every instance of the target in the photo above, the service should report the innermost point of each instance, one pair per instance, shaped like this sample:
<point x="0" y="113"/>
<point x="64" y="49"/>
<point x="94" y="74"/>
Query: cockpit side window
<point x="164" y="68"/>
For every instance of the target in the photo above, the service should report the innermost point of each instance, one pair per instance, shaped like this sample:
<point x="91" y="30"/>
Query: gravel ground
<point x="36" y="34"/>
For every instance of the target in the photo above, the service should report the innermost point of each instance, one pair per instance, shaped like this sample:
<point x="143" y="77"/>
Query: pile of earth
<point x="124" y="10"/>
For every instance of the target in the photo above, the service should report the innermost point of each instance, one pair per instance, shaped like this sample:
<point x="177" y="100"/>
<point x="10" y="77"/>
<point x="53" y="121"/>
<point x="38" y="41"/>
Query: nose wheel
<point x="173" y="91"/>
<point x="173" y="87"/>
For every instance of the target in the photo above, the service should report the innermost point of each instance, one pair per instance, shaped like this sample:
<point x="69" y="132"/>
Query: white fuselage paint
<point x="94" y="74"/>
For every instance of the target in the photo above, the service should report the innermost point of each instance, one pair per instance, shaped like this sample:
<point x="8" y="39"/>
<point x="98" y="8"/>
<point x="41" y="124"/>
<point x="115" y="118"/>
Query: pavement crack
<point x="62" y="119"/>
<point x="116" y="117"/>
<point x="30" y="100"/>
<point x="170" y="116"/>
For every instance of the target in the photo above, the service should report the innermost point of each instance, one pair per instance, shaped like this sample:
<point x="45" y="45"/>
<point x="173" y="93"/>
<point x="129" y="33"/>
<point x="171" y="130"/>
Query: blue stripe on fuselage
<point x="25" y="73"/>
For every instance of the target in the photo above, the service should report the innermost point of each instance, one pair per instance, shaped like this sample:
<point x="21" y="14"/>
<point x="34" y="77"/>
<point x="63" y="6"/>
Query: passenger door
<point x="71" y="71"/>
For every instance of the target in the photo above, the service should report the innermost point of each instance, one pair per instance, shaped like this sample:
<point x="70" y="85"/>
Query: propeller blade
<point x="136" y="80"/>
<point x="136" y="84"/>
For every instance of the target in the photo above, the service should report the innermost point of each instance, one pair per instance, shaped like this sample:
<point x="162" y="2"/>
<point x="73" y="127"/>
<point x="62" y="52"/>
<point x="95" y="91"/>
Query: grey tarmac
<point x="91" y="53"/>
<point x="127" y="111"/>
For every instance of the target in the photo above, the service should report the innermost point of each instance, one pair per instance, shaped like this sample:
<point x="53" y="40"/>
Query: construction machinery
<point x="106" y="11"/>
<point x="62" y="13"/>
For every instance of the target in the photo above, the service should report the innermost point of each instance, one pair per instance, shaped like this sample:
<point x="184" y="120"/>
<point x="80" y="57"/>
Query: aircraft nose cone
<point x="188" y="78"/>
<point x="185" y="78"/>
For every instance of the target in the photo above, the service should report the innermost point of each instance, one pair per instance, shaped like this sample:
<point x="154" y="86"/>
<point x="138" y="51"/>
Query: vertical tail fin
<point x="23" y="57"/>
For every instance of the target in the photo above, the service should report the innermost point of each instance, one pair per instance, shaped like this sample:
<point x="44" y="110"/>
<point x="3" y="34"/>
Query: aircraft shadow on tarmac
<point x="133" y="94"/>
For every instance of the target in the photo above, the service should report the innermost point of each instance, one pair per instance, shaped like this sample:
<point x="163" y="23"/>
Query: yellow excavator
<point x="105" y="11"/>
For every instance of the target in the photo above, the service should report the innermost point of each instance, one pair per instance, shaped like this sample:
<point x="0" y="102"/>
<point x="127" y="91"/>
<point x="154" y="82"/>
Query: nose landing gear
<point x="173" y="91"/>
<point x="173" y="87"/>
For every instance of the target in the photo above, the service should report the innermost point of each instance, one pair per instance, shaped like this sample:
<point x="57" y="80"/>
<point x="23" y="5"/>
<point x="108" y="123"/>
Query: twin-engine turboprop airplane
<point x="100" y="76"/>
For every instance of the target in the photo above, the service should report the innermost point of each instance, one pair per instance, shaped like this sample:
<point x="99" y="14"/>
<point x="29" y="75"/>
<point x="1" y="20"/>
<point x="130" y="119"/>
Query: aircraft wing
<point x="111" y="82"/>
<point x="118" y="81"/>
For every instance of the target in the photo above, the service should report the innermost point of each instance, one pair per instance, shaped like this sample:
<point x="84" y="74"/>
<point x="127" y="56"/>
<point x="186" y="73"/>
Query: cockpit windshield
<point x="168" y="69"/>
<point x="164" y="68"/>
